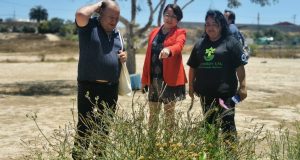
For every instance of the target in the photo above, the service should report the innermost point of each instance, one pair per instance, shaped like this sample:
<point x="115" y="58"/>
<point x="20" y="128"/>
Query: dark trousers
<point x="218" y="116"/>
<point x="108" y="96"/>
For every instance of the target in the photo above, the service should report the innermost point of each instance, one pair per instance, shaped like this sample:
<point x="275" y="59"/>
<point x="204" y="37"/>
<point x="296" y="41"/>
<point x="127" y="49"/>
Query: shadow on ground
<point x="36" y="88"/>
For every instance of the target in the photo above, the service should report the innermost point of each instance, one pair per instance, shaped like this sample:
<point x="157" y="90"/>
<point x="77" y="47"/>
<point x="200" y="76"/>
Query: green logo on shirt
<point x="209" y="54"/>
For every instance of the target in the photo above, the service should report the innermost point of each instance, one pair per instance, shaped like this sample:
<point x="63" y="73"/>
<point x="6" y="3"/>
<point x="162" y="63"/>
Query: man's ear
<point x="100" y="12"/>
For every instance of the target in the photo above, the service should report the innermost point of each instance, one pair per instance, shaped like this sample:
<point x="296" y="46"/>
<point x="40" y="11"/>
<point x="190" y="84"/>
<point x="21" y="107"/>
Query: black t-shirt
<point x="215" y="66"/>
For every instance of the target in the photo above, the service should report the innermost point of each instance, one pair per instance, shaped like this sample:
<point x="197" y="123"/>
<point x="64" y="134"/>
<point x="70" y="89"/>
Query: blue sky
<point x="284" y="10"/>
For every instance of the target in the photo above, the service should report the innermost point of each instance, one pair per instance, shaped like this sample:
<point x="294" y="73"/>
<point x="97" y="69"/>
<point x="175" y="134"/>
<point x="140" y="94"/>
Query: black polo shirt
<point x="98" y="53"/>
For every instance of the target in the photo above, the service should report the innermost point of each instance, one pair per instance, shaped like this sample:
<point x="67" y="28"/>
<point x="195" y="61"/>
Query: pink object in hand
<point x="222" y="104"/>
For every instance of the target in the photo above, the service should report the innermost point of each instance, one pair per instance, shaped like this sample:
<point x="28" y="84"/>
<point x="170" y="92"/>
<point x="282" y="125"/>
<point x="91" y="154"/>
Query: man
<point x="100" y="56"/>
<point x="230" y="17"/>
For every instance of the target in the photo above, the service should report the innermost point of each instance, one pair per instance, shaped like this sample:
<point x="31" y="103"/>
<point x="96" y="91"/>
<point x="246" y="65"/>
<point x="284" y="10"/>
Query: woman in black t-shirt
<point x="216" y="66"/>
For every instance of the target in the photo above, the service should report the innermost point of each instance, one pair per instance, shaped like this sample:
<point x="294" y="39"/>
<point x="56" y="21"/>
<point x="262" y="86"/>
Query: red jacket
<point x="173" y="70"/>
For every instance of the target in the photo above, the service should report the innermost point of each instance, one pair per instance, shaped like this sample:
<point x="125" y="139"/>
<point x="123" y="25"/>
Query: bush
<point x="44" y="27"/>
<point x="253" y="49"/>
<point x="67" y="30"/>
<point x="28" y="29"/>
<point x="284" y="145"/>
<point x="52" y="26"/>
<point x="130" y="139"/>
<point x="55" y="24"/>
<point x="4" y="29"/>
<point x="16" y="29"/>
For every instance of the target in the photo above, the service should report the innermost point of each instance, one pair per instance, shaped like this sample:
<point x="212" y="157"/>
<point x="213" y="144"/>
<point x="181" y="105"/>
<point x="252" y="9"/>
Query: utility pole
<point x="294" y="19"/>
<point x="258" y="19"/>
<point x="14" y="15"/>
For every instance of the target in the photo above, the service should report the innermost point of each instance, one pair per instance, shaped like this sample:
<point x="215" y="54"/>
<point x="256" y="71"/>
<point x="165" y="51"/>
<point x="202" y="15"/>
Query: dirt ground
<point x="49" y="87"/>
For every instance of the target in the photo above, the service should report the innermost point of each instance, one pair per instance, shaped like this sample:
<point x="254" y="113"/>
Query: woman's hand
<point x="242" y="93"/>
<point x="122" y="56"/>
<point x="164" y="53"/>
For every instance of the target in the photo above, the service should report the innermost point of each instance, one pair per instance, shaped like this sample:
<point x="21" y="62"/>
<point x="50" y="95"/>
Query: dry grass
<point x="36" y="44"/>
<point x="278" y="52"/>
<point x="40" y="45"/>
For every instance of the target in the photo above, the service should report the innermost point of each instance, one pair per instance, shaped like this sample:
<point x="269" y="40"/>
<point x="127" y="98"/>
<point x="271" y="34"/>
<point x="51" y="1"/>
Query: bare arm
<point x="83" y="14"/>
<point x="242" y="80"/>
<point x="191" y="79"/>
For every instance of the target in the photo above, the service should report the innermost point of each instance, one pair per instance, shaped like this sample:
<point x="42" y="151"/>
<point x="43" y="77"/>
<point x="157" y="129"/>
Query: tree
<point x="237" y="3"/>
<point x="52" y="26"/>
<point x="68" y="29"/>
<point x="38" y="13"/>
<point x="56" y="24"/>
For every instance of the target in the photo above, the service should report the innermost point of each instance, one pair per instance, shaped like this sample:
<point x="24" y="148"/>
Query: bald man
<point x="100" y="55"/>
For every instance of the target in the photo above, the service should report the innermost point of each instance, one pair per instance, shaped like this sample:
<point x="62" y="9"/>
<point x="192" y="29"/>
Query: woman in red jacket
<point x="163" y="70"/>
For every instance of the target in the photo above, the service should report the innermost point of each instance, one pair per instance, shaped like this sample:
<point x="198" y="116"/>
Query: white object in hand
<point x="164" y="51"/>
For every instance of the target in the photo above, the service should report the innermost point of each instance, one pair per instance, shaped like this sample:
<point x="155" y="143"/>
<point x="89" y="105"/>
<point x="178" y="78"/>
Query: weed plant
<point x="284" y="144"/>
<point x="130" y="139"/>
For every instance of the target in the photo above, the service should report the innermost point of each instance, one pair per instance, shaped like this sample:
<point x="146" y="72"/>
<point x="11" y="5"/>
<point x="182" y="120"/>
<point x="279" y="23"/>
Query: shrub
<point x="28" y="29"/>
<point x="284" y="144"/>
<point x="130" y="138"/>
<point x="44" y="27"/>
<point x="253" y="49"/>
<point x="67" y="29"/>
<point x="16" y="29"/>
<point x="55" y="24"/>
<point x="52" y="26"/>
<point x="4" y="29"/>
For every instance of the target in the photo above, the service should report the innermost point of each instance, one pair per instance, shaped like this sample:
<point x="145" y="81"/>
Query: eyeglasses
<point x="215" y="25"/>
<point x="170" y="16"/>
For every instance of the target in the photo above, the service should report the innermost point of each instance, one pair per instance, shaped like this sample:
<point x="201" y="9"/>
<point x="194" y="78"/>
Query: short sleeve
<point x="239" y="56"/>
<point x="193" y="60"/>
<point x="91" y="22"/>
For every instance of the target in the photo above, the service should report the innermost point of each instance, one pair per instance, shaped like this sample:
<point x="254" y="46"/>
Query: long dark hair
<point x="220" y="20"/>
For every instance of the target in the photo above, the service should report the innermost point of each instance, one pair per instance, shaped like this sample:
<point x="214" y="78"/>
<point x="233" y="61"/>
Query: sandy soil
<point x="273" y="89"/>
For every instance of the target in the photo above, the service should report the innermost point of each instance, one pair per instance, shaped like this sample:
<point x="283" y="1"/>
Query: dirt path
<point x="52" y="37"/>
<point x="274" y="96"/>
